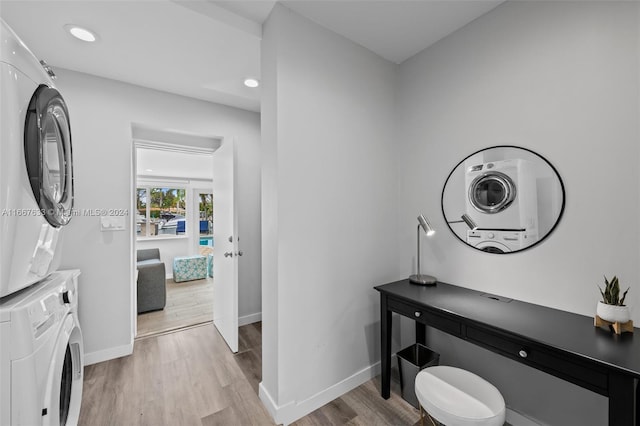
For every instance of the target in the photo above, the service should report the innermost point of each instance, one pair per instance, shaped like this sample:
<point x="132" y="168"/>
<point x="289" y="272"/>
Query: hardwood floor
<point x="190" y="377"/>
<point x="188" y="303"/>
<point x="364" y="406"/>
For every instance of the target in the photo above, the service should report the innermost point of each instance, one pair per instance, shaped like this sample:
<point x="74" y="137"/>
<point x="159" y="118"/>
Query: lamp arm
<point x="419" y="278"/>
<point x="418" y="244"/>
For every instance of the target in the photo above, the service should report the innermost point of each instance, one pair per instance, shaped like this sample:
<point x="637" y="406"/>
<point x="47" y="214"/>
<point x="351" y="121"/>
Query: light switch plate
<point x="112" y="223"/>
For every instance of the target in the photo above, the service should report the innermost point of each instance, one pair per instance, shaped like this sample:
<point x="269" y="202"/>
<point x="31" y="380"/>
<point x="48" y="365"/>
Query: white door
<point x="225" y="244"/>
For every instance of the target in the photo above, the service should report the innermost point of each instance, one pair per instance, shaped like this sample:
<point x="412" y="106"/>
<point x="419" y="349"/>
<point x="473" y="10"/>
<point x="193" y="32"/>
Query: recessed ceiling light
<point x="251" y="82"/>
<point x="148" y="170"/>
<point x="81" y="33"/>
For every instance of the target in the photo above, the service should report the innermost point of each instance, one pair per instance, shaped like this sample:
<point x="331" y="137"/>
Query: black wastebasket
<point x="410" y="361"/>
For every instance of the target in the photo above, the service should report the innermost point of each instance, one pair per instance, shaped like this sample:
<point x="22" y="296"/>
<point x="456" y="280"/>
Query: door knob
<point x="228" y="254"/>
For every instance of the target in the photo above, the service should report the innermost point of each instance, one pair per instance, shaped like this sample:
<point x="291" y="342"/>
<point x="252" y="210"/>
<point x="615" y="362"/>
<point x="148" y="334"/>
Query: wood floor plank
<point x="246" y="400"/>
<point x="151" y="414"/>
<point x="336" y="412"/>
<point x="249" y="362"/>
<point x="179" y="400"/>
<point x="227" y="416"/>
<point x="394" y="411"/>
<point x="250" y="337"/>
<point x="241" y="410"/>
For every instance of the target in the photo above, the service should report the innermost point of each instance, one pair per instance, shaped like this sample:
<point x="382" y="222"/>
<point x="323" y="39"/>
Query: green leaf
<point x="615" y="295"/>
<point x="614" y="281"/>
<point x="624" y="295"/>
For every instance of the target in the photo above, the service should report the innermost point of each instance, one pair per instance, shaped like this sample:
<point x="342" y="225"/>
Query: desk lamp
<point x="470" y="223"/>
<point x="429" y="231"/>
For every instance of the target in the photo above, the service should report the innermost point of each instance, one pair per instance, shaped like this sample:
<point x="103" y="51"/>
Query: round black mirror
<point x="503" y="199"/>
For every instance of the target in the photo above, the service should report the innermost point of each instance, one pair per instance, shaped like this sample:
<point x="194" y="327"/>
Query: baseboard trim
<point x="270" y="405"/>
<point x="516" y="419"/>
<point x="249" y="319"/>
<point x="107" y="354"/>
<point x="293" y="410"/>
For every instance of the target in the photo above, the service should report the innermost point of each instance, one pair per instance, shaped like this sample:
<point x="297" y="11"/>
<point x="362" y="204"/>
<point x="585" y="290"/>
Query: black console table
<point x="560" y="343"/>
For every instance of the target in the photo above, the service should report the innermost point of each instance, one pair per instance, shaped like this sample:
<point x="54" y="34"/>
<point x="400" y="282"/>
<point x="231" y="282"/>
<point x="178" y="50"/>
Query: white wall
<point x="102" y="112"/>
<point x="560" y="78"/>
<point x="329" y="211"/>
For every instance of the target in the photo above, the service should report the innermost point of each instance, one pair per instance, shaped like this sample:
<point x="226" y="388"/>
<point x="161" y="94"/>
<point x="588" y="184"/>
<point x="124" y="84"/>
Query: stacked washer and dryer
<point x="41" y="347"/>
<point x="502" y="202"/>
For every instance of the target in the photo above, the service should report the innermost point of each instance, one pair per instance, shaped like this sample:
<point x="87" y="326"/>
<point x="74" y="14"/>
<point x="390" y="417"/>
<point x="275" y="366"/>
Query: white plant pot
<point x="613" y="313"/>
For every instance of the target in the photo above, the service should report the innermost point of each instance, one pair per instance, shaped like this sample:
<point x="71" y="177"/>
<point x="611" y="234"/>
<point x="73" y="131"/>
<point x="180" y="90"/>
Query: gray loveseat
<point x="152" y="290"/>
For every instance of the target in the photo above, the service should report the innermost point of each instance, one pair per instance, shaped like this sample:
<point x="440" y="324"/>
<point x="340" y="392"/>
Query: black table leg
<point x="622" y="401"/>
<point x="637" y="403"/>
<point x="385" y="347"/>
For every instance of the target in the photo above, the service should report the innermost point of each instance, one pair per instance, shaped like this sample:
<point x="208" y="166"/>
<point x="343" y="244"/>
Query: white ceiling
<point x="205" y="49"/>
<point x="158" y="44"/>
<point x="395" y="30"/>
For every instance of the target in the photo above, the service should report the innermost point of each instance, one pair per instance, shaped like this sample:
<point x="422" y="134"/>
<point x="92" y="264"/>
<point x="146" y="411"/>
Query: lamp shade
<point x="426" y="226"/>
<point x="470" y="223"/>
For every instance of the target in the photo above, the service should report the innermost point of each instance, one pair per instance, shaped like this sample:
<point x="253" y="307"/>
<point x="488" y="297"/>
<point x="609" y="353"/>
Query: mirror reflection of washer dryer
<point x="502" y="195"/>
<point x="481" y="188"/>
<point x="496" y="241"/>
<point x="36" y="167"/>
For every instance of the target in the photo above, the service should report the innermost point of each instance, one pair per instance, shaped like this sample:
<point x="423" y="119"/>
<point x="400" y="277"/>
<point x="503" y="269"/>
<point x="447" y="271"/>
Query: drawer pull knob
<point x="417" y="314"/>
<point x="523" y="353"/>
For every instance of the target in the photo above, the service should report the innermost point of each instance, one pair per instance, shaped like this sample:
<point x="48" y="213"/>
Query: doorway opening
<point x="173" y="183"/>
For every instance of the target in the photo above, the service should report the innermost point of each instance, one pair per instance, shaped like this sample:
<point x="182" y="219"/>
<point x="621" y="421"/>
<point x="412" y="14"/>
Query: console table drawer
<point x="424" y="316"/>
<point x="574" y="371"/>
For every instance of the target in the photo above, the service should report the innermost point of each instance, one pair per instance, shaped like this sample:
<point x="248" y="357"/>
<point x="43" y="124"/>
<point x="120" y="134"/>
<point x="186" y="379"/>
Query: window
<point x="205" y="207"/>
<point x="161" y="211"/>
<point x="203" y="202"/>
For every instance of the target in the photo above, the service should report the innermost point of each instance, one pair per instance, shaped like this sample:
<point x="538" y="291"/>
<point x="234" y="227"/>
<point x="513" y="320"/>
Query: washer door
<point x="492" y="192"/>
<point x="64" y="382"/>
<point x="47" y="150"/>
<point x="492" y="247"/>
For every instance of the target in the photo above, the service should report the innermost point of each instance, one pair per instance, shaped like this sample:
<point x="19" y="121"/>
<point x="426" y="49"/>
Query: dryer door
<point x="47" y="150"/>
<point x="492" y="192"/>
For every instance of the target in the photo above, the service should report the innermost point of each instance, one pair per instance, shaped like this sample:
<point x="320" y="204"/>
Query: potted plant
<point x="612" y="307"/>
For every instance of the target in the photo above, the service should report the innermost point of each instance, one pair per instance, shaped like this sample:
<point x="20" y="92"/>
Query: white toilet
<point x="456" y="397"/>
